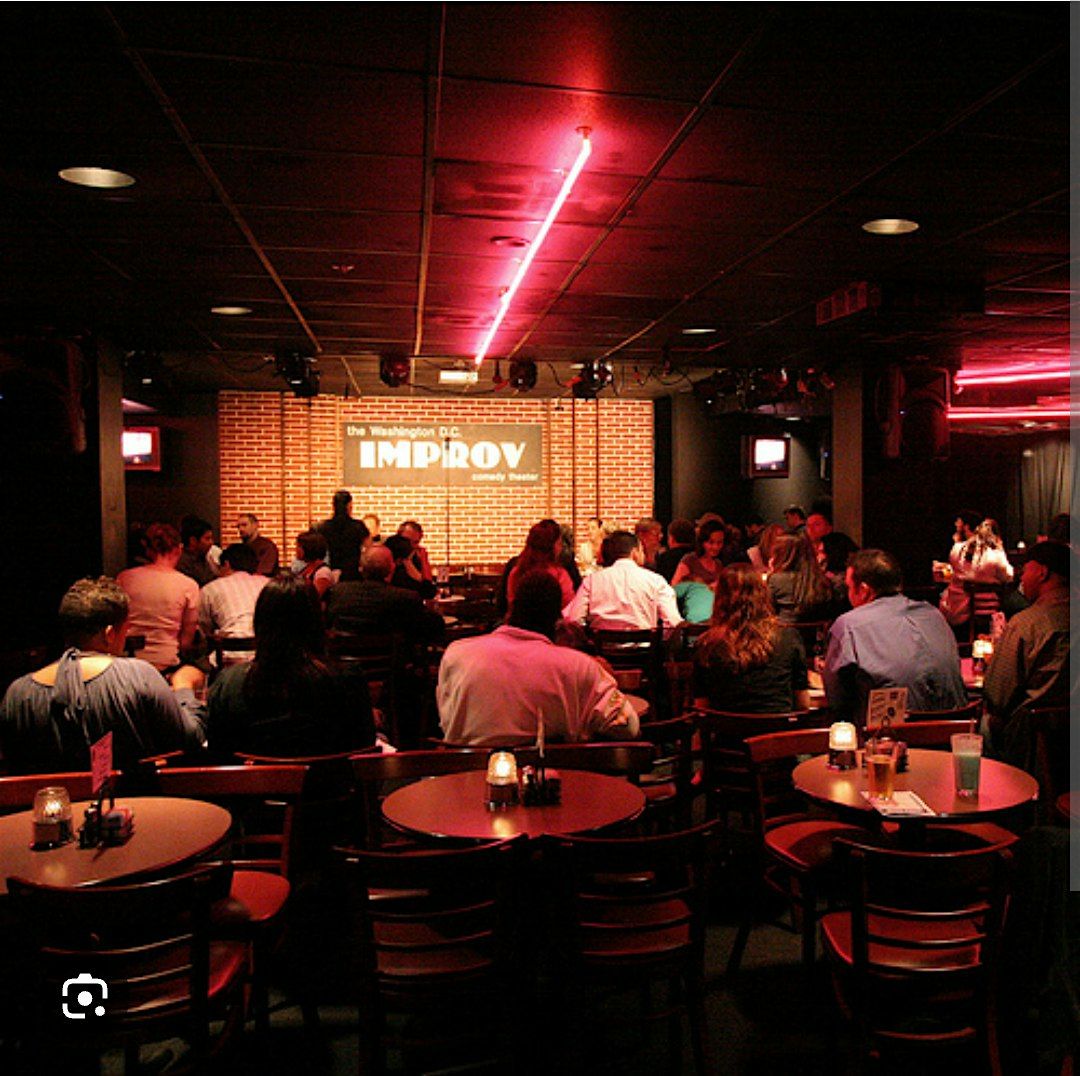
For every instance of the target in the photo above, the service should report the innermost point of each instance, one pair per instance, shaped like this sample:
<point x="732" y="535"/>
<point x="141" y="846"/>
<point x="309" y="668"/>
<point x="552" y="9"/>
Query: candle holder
<point x="52" y="818"/>
<point x="843" y="742"/>
<point x="502" y="780"/>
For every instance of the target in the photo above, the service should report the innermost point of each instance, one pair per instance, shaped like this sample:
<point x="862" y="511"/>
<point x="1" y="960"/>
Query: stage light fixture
<point x="595" y="375"/>
<point x="394" y="370"/>
<point x="523" y="375"/>
<point x="299" y="370"/>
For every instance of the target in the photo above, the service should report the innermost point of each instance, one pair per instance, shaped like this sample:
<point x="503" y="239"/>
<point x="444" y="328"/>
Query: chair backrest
<point x="149" y="942"/>
<point x="17" y="793"/>
<point x="263" y="801"/>
<point x="225" y="647"/>
<point x="929" y="733"/>
<point x="971" y="712"/>
<point x="673" y="761"/>
<point x="1050" y="729"/>
<point x="770" y="759"/>
<point x="813" y="634"/>
<point x="621" y="758"/>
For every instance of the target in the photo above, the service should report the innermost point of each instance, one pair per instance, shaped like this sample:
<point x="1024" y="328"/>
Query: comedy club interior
<point x="545" y="538"/>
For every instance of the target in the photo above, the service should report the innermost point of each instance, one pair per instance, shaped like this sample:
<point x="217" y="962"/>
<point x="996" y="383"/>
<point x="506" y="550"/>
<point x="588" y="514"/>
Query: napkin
<point x="902" y="805"/>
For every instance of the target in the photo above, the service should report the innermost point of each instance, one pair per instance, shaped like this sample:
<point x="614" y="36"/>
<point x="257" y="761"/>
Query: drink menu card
<point x="886" y="703"/>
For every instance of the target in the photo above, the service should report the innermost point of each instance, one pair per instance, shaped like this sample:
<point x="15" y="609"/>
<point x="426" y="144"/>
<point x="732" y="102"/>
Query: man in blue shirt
<point x="888" y="640"/>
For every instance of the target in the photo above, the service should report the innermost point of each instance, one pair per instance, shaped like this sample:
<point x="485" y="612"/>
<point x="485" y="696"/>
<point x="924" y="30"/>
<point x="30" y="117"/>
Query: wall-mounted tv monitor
<point x="766" y="457"/>
<point x="141" y="448"/>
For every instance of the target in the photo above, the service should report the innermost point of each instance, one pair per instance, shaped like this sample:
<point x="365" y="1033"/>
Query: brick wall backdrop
<point x="281" y="458"/>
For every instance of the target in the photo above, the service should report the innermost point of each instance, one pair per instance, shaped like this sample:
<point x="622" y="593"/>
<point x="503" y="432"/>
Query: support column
<point x="847" y="453"/>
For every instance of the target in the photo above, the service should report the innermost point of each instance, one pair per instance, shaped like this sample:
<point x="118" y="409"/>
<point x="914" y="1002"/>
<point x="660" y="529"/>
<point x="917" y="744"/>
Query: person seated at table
<point x="49" y="718"/>
<point x="541" y="554"/>
<point x="287" y="701"/>
<point x="680" y="542"/>
<point x="695" y="601"/>
<point x="406" y="574"/>
<point x="494" y="688"/>
<point x="227" y="605"/>
<point x="704" y="565"/>
<point x="888" y="640"/>
<point x="979" y="559"/>
<point x="1029" y="668"/>
<point x="798" y="586"/>
<point x="749" y="661"/>
<point x="310" y="563"/>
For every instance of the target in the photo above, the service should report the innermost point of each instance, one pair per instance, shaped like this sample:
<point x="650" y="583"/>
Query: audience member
<point x="418" y="563"/>
<point x="588" y="552"/>
<point x="695" y="601"/>
<point x="266" y="551"/>
<point x="799" y="589"/>
<point x="680" y="542"/>
<point x="705" y="565"/>
<point x="227" y="605"/>
<point x="887" y="640"/>
<point x="344" y="536"/>
<point x="541" y="553"/>
<point x="650" y="535"/>
<point x="749" y="661"/>
<point x="405" y="574"/>
<point x="49" y="718"/>
<point x="287" y="701"/>
<point x="759" y="555"/>
<point x="1030" y="665"/>
<point x="494" y="689"/>
<point x="310" y="564"/>
<point x="164" y="605"/>
<point x="625" y="595"/>
<point x="197" y="540"/>
<point x="979" y="559"/>
<point x="836" y="548"/>
<point x="795" y="519"/>
<point x="374" y="526"/>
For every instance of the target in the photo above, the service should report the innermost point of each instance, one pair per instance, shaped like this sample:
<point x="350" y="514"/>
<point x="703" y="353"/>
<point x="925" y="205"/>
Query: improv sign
<point x="468" y="454"/>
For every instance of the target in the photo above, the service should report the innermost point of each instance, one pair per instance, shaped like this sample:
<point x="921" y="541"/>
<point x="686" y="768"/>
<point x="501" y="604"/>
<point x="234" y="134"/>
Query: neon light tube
<point x="1026" y="414"/>
<point x="534" y="247"/>
<point x="1007" y="377"/>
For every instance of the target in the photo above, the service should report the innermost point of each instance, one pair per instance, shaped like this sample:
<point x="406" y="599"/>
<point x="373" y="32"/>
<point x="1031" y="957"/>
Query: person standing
<point x="345" y="537"/>
<point x="266" y="552"/>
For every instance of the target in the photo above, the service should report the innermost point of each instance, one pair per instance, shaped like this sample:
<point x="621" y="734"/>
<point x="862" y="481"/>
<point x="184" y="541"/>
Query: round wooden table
<point x="169" y="832"/>
<point x="1002" y="788"/>
<point x="454" y="805"/>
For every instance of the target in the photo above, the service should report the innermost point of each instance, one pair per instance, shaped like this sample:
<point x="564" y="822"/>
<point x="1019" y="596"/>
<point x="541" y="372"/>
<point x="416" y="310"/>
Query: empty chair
<point x="915" y="959"/>
<point x="668" y="784"/>
<point x="17" y="793"/>
<point x="150" y="944"/>
<point x="637" y="651"/>
<point x="629" y="916"/>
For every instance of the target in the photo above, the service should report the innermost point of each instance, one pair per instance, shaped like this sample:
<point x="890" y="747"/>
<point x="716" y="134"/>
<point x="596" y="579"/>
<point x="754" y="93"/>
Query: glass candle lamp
<point x="843" y="741"/>
<point x="52" y="817"/>
<point x="502" y="779"/>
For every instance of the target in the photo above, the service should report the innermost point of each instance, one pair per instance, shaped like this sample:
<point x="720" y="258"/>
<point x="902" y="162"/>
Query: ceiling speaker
<point x="394" y="370"/>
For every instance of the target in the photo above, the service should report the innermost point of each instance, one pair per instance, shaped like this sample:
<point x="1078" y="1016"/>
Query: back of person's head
<point x="618" y="545"/>
<point x="161" y="539"/>
<point x="400" y="547"/>
<point x="743" y="624"/>
<point x="192" y="528"/>
<point x="240" y="557"/>
<point x="342" y="500"/>
<point x="288" y="622"/>
<point x="740" y="595"/>
<point x="790" y="552"/>
<point x="411" y="525"/>
<point x="796" y="510"/>
<point x="312" y="546"/>
<point x="879" y="570"/>
<point x="1056" y="557"/>
<point x="838" y="548"/>
<point x="90" y="606"/>
<point x="767" y="540"/>
<point x="681" y="532"/>
<point x="537" y="603"/>
<point x="648" y="526"/>
<point x="969" y="517"/>
<point x="1060" y="528"/>
<point x="377" y="562"/>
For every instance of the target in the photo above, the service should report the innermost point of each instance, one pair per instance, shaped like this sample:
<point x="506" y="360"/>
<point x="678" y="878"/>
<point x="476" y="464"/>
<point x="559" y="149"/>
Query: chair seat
<point x="160" y="998"/>
<point x="261" y="894"/>
<point x="647" y="945"/>
<point x="836" y="934"/>
<point x="807" y="845"/>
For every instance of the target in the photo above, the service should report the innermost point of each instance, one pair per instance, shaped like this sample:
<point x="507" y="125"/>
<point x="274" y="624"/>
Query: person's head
<point x="372" y="523"/>
<point x="741" y="595"/>
<point x="400" y="547"/>
<point x="794" y="516"/>
<point x="837" y="548"/>
<point x="288" y="621"/>
<point x="239" y="557"/>
<point x="162" y="543"/>
<point x="544" y="540"/>
<point x="680" y="532"/>
<point x="196" y="535"/>
<point x="872" y="574"/>
<point x="790" y="552"/>
<point x="1048" y="568"/>
<point x="342" y="503"/>
<point x="988" y="533"/>
<point x="567" y="534"/>
<point x="966" y="522"/>
<point x="1059" y="528"/>
<point x="817" y="526"/>
<point x="753" y="526"/>
<point x="377" y="562"/>
<point x="743" y="624"/>
<point x="247" y="526"/>
<point x="413" y="531"/>
<point x="310" y="546"/>
<point x="710" y="538"/>
<point x="650" y="534"/>
<point x="767" y="540"/>
<point x="618" y="545"/>
<point x="537" y="603"/>
<point x="94" y="610"/>
<point x="594" y="529"/>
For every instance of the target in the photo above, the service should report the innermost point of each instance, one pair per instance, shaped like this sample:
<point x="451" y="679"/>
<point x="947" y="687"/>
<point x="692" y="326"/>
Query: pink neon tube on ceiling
<point x="534" y="247"/>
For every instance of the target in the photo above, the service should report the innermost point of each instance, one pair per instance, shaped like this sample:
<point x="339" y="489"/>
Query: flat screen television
<point x="141" y="448"/>
<point x="766" y="456"/>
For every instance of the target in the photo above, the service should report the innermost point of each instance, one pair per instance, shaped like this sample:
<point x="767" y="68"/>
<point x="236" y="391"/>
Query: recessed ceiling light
<point x="96" y="177"/>
<point x="890" y="226"/>
<point x="698" y="331"/>
<point x="230" y="311"/>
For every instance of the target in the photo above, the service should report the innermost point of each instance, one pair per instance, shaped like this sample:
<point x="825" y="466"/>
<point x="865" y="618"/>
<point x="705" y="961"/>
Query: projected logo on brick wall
<point x="425" y="455"/>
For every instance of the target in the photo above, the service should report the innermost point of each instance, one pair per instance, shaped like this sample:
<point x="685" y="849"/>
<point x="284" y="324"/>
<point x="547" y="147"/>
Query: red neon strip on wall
<point x="534" y="247"/>
<point x="1005" y="377"/>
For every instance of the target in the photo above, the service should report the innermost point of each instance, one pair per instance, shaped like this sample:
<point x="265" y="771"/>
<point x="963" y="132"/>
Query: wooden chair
<point x="795" y="848"/>
<point x="263" y="801"/>
<point x="223" y="648"/>
<point x="668" y="784"/>
<point x="813" y="634"/>
<point x="630" y="913"/>
<point x="17" y="792"/>
<point x="915" y="960"/>
<point x="985" y="599"/>
<point x="150" y="942"/>
<point x="1050" y="731"/>
<point x="641" y="651"/>
<point x="971" y="712"/>
<point x="386" y="659"/>
<point x="931" y="734"/>
<point x="441" y="953"/>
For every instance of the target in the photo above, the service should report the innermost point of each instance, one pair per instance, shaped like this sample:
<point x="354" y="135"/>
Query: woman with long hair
<point x="542" y="552"/>
<point x="704" y="565"/>
<point x="979" y="559"/>
<point x="288" y="701"/>
<point x="799" y="588"/>
<point x="749" y="661"/>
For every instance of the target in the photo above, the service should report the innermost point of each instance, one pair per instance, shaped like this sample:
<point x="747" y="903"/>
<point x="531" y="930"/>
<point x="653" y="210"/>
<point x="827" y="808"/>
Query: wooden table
<point x="1002" y="788"/>
<point x="169" y="833"/>
<point x="454" y="805"/>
